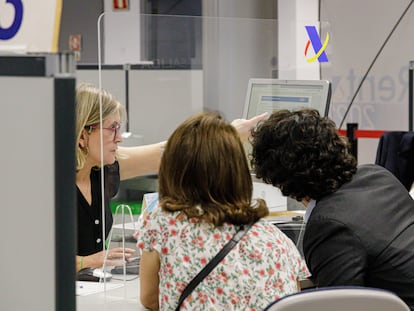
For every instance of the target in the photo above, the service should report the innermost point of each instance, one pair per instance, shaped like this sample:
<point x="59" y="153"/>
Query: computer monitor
<point x="267" y="95"/>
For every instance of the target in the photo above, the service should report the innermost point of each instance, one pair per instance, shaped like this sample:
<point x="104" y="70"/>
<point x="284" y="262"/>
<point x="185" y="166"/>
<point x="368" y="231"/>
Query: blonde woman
<point x="119" y="163"/>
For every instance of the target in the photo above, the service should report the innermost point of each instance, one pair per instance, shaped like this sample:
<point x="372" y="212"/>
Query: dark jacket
<point x="395" y="152"/>
<point x="363" y="234"/>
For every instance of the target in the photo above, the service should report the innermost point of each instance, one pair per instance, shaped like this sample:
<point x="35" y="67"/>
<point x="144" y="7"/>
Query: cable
<point x="299" y="241"/>
<point x="173" y="6"/>
<point x="373" y="62"/>
<point x="320" y="29"/>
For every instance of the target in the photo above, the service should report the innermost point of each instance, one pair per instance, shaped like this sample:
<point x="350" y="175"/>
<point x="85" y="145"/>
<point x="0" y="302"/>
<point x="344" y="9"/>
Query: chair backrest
<point x="340" y="299"/>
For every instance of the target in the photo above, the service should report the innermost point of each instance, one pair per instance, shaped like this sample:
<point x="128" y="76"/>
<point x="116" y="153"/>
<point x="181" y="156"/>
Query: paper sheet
<point x="128" y="226"/>
<point x="84" y="288"/>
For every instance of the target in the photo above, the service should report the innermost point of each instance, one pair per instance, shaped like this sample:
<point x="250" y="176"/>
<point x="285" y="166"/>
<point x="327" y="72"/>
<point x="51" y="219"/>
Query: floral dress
<point x="264" y="266"/>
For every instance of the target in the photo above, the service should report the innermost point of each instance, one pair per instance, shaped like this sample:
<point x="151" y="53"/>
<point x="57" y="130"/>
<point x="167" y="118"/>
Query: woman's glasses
<point x="115" y="128"/>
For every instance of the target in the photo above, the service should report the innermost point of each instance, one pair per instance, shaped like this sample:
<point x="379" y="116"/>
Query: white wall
<point x="292" y="17"/>
<point x="358" y="29"/>
<point x="121" y="31"/>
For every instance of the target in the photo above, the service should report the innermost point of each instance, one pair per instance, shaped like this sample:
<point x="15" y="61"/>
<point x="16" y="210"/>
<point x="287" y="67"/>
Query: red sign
<point x="120" y="4"/>
<point x="75" y="42"/>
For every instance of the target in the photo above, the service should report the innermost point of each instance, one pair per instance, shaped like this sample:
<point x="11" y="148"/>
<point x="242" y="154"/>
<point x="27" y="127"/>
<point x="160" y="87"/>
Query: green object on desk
<point x="135" y="207"/>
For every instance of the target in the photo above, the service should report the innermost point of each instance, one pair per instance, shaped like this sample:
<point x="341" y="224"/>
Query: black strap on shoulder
<point x="213" y="263"/>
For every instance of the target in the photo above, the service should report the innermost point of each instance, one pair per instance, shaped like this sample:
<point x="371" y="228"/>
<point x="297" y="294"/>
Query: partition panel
<point x="38" y="188"/>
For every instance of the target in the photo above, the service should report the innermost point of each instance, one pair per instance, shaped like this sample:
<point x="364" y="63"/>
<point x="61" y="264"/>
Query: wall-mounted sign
<point x="120" y="5"/>
<point x="30" y="26"/>
<point x="75" y="43"/>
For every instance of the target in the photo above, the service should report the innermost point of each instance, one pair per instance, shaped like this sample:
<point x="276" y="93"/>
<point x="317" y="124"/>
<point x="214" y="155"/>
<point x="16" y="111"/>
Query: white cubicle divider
<point x="38" y="188"/>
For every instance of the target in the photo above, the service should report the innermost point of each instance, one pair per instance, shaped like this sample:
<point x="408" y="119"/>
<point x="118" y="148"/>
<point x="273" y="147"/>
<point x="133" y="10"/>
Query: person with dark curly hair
<point x="359" y="219"/>
<point x="205" y="194"/>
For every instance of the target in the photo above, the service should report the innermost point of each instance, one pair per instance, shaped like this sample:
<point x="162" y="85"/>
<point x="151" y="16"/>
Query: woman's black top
<point x="90" y="216"/>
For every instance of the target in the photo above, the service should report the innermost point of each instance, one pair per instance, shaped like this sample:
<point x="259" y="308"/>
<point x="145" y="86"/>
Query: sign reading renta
<point x="29" y="26"/>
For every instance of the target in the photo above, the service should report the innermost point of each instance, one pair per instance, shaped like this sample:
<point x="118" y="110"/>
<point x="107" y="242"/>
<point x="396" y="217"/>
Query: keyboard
<point x="131" y="267"/>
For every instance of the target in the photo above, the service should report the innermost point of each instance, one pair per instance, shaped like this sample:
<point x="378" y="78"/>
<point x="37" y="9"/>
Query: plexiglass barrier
<point x="167" y="68"/>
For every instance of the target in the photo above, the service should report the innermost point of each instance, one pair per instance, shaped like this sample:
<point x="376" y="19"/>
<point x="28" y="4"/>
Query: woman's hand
<point x="244" y="127"/>
<point x="114" y="257"/>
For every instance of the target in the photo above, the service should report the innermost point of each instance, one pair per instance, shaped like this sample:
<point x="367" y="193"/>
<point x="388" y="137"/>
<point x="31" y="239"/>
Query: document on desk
<point x="128" y="226"/>
<point x="285" y="217"/>
<point x="274" y="198"/>
<point x="84" y="288"/>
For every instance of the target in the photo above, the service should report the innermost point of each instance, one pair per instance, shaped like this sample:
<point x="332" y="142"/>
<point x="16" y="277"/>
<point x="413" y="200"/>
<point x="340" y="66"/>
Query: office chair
<point x="340" y="299"/>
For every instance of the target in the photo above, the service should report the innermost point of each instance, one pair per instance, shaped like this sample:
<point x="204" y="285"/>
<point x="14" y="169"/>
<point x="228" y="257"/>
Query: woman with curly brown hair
<point x="359" y="219"/>
<point x="205" y="191"/>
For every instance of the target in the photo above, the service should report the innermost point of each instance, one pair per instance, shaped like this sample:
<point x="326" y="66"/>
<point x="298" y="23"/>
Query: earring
<point x="85" y="150"/>
<point x="84" y="141"/>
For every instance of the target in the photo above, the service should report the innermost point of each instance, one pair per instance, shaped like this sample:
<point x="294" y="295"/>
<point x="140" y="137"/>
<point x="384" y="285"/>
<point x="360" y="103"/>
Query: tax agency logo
<point x="317" y="45"/>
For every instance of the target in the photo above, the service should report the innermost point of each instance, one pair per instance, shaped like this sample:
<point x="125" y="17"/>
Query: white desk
<point x="125" y="298"/>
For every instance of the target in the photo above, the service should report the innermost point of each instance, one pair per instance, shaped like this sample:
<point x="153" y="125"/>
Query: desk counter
<point x="122" y="298"/>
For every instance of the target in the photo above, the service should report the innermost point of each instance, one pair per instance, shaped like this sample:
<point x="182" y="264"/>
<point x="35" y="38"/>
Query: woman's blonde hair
<point x="88" y="113"/>
<point x="204" y="173"/>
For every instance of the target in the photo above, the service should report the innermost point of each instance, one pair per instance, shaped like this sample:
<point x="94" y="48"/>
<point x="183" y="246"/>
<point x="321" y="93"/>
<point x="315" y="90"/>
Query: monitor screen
<point x="266" y="95"/>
